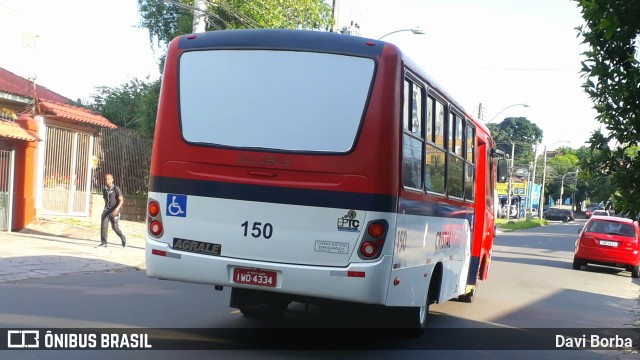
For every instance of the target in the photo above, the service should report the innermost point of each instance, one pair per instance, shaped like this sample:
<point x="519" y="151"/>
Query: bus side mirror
<point x="502" y="171"/>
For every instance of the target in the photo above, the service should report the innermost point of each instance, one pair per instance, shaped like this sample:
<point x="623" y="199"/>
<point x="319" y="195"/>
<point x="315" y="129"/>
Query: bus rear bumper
<point x="366" y="283"/>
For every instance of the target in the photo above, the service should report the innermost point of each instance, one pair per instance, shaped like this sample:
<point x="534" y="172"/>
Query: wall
<point x="24" y="211"/>
<point x="134" y="208"/>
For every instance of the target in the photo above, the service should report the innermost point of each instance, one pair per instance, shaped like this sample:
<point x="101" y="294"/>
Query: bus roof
<point x="302" y="40"/>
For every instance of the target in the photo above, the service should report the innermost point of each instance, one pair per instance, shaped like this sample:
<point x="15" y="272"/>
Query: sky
<point x="73" y="46"/>
<point x="495" y="52"/>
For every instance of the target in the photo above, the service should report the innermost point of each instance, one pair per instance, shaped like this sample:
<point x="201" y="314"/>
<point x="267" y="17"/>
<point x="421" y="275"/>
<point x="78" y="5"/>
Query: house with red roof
<point x="46" y="157"/>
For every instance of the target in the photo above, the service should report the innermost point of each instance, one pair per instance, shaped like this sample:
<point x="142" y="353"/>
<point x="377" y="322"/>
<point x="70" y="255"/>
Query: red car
<point x="610" y="241"/>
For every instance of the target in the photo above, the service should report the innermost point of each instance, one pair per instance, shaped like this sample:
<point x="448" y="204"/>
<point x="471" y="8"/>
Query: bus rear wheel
<point x="413" y="319"/>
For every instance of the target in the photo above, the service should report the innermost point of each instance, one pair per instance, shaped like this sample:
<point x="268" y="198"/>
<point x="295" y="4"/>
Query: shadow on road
<point x="539" y="261"/>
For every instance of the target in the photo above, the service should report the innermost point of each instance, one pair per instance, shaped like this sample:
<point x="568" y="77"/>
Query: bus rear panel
<point x="259" y="175"/>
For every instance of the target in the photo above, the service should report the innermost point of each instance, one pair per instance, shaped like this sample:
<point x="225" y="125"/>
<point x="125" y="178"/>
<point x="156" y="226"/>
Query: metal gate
<point x="6" y="188"/>
<point x="67" y="171"/>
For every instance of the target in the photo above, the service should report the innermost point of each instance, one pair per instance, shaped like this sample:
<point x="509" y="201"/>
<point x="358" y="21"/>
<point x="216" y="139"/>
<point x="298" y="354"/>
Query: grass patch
<point x="519" y="225"/>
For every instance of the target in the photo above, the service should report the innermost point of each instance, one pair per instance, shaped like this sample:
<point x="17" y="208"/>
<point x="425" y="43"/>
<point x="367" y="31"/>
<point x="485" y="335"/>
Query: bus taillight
<point x="376" y="230"/>
<point x="155" y="227"/>
<point x="153" y="208"/>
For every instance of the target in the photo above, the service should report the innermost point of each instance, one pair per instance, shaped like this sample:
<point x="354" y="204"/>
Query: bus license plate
<point x="254" y="277"/>
<point x="608" y="243"/>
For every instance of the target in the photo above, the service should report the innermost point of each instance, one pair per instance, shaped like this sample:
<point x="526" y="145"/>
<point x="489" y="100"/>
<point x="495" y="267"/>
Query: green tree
<point x="130" y="105"/>
<point x="522" y="133"/>
<point x="564" y="164"/>
<point x="166" y="20"/>
<point x="612" y="79"/>
<point x="592" y="186"/>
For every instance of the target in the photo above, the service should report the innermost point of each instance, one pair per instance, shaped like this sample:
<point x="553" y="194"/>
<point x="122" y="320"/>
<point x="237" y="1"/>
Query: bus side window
<point x="435" y="169"/>
<point x="412" y="137"/>
<point x="439" y="124"/>
<point x="429" y="120"/>
<point x="470" y="169"/>
<point x="435" y="153"/>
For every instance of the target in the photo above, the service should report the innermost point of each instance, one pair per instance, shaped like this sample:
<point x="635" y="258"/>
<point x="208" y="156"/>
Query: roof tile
<point x="75" y="113"/>
<point x="17" y="85"/>
<point x="9" y="129"/>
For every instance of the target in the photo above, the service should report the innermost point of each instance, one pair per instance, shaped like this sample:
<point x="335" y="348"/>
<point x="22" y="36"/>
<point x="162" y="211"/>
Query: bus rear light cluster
<point x="154" y="218"/>
<point x="373" y="239"/>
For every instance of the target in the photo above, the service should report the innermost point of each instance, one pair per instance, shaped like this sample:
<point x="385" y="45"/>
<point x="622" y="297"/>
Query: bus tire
<point x="413" y="319"/>
<point x="635" y="271"/>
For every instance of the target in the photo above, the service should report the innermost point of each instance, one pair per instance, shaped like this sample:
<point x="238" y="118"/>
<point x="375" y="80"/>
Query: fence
<point x="134" y="208"/>
<point x="126" y="154"/>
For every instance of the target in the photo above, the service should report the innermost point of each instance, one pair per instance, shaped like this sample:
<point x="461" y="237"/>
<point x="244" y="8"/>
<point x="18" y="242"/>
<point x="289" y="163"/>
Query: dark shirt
<point x="110" y="196"/>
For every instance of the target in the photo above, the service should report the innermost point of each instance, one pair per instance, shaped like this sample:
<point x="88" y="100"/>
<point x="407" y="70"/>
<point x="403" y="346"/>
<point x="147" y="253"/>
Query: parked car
<point x="600" y="213"/>
<point x="591" y="208"/>
<point x="563" y="215"/>
<point x="611" y="241"/>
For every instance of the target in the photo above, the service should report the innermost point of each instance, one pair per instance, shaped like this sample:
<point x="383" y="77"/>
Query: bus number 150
<point x="258" y="230"/>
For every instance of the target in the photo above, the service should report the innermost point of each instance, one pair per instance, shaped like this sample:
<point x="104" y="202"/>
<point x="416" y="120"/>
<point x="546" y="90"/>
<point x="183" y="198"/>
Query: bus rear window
<point x="280" y="100"/>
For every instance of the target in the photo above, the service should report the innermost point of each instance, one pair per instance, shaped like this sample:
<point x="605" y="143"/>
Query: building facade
<point x="46" y="155"/>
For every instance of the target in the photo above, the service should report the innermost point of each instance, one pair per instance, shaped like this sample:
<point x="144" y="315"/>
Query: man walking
<point x="113" y="201"/>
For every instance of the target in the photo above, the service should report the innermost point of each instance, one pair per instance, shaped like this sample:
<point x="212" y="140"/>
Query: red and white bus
<point x="309" y="166"/>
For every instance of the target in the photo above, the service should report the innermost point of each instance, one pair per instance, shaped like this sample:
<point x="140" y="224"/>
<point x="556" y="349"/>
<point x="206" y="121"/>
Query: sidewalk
<point x="54" y="246"/>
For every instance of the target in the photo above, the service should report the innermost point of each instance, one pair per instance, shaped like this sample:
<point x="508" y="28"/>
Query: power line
<point x="211" y="17"/>
<point x="242" y="17"/>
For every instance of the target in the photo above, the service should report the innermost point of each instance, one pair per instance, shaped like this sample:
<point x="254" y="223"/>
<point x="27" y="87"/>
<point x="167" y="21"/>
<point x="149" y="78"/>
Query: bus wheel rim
<point x="422" y="314"/>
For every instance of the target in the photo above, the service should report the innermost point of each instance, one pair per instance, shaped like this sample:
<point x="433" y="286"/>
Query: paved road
<point x="531" y="285"/>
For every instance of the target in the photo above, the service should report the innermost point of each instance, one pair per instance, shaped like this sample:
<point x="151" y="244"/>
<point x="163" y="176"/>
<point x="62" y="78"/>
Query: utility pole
<point x="335" y="14"/>
<point x="480" y="112"/>
<point x="562" y="189"/>
<point x="573" y="196"/>
<point x="544" y="175"/>
<point x="562" y="185"/>
<point x="199" y="17"/>
<point x="532" y="183"/>
<point x="510" y="184"/>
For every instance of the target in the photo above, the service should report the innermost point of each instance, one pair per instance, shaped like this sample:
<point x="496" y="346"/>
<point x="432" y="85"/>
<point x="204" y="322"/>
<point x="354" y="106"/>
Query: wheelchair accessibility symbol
<point x="176" y="205"/>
